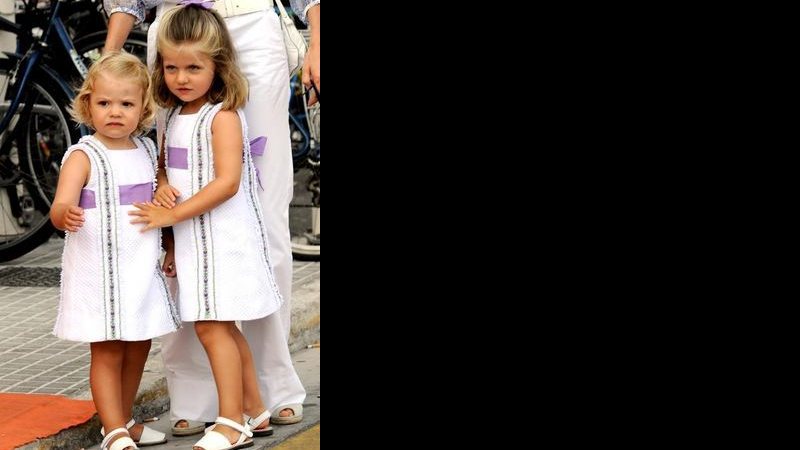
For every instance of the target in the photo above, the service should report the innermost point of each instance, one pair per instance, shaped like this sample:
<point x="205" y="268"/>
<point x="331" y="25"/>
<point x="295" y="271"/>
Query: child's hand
<point x="73" y="218"/>
<point x="169" y="264"/>
<point x="152" y="216"/>
<point x="166" y="196"/>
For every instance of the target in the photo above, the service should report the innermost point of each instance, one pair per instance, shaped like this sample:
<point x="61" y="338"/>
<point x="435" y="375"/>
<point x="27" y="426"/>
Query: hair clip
<point x="205" y="4"/>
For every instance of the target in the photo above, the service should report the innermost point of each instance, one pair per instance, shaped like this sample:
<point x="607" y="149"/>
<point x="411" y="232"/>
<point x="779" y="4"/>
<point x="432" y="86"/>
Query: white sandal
<point x="148" y="438"/>
<point x="254" y="422"/>
<point x="214" y="440"/>
<point x="121" y="443"/>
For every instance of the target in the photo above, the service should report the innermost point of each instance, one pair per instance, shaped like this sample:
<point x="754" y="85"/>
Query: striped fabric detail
<point x="107" y="200"/>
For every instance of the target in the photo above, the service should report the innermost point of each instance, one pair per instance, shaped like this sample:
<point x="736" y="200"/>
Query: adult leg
<point x="262" y="57"/>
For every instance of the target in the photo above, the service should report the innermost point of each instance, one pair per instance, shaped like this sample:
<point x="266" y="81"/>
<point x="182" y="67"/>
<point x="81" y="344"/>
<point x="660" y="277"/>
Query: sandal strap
<point x="123" y="443"/>
<point x="254" y="422"/>
<point x="111" y="435"/>
<point x="151" y="436"/>
<point x="213" y="440"/>
<point x="128" y="425"/>
<point x="243" y="429"/>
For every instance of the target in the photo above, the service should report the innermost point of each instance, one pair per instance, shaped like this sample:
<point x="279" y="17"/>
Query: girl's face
<point x="115" y="105"/>
<point x="189" y="74"/>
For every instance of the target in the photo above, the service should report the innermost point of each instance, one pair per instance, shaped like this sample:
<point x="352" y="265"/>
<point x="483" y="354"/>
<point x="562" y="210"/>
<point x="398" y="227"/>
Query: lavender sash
<point x="128" y="195"/>
<point x="178" y="157"/>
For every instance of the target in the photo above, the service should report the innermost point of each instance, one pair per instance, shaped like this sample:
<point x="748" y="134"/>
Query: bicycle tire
<point x="24" y="203"/>
<point x="304" y="210"/>
<point x="304" y="216"/>
<point x="90" y="46"/>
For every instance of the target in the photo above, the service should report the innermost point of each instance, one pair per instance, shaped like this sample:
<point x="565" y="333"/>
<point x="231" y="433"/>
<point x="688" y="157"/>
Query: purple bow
<point x="206" y="4"/>
<point x="257" y="148"/>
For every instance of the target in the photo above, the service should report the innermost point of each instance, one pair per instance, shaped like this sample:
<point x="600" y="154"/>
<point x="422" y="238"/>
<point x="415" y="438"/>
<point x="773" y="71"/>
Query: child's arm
<point x="165" y="194"/>
<point x="65" y="213"/>
<point x="226" y="130"/>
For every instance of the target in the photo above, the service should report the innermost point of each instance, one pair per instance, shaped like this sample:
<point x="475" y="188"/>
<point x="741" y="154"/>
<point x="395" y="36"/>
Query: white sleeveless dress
<point x="112" y="286"/>
<point x="222" y="256"/>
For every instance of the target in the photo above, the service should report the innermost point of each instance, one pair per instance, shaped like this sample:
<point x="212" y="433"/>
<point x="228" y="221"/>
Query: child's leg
<point x="105" y="378"/>
<point x="132" y="370"/>
<point x="226" y="364"/>
<point x="253" y="405"/>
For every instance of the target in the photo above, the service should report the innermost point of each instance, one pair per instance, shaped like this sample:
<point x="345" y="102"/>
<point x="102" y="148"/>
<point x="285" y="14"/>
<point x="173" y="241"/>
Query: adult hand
<point x="311" y="62"/>
<point x="311" y="72"/>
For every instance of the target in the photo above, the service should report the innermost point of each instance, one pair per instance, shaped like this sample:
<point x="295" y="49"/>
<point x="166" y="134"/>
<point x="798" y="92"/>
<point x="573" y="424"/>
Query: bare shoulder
<point x="78" y="157"/>
<point x="226" y="120"/>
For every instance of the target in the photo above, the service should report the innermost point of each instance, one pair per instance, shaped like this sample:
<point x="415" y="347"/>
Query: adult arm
<point x="122" y="16"/>
<point x="308" y="11"/>
<point x="301" y="7"/>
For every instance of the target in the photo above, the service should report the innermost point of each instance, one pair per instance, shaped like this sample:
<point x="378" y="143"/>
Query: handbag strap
<point x="282" y="9"/>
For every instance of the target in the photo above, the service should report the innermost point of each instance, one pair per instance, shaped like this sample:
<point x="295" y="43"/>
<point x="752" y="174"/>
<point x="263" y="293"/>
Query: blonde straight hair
<point x="205" y="29"/>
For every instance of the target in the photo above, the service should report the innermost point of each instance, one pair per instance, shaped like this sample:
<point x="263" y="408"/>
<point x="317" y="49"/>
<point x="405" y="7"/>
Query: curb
<point x="153" y="398"/>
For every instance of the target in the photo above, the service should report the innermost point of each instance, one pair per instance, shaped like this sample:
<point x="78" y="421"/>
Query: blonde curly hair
<point x="119" y="65"/>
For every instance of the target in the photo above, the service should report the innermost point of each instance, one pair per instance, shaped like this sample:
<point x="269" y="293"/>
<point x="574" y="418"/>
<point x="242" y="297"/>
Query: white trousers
<point x="193" y="394"/>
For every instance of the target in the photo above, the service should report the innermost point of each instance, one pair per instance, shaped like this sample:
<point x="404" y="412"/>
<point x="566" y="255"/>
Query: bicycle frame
<point x="32" y="59"/>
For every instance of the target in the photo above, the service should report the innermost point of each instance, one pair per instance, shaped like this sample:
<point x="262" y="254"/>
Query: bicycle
<point x="304" y="210"/>
<point x="36" y="128"/>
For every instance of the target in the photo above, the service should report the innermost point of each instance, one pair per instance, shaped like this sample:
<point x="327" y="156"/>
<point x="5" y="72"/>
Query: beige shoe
<point x="294" y="418"/>
<point x="193" y="428"/>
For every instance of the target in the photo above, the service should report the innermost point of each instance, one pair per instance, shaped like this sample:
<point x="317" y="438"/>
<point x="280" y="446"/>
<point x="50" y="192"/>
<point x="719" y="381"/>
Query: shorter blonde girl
<point x="119" y="65"/>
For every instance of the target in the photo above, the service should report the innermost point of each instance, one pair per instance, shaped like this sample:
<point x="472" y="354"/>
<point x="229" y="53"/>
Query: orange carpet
<point x="26" y="417"/>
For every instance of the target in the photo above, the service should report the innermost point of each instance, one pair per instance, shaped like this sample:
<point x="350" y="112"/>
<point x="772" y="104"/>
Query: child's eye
<point x="169" y="68"/>
<point x="194" y="68"/>
<point x="127" y="104"/>
<point x="102" y="103"/>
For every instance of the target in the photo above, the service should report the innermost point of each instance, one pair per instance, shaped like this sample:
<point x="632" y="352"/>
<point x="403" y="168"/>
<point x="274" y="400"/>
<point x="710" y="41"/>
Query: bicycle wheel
<point x="304" y="210"/>
<point x="304" y="215"/>
<point x="90" y="47"/>
<point x="33" y="146"/>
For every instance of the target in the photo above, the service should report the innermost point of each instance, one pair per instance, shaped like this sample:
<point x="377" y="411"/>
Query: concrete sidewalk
<point x="306" y="362"/>
<point x="33" y="361"/>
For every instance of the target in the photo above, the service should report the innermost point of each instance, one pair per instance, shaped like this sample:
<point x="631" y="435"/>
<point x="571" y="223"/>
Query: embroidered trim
<point x="107" y="202"/>
<point x="167" y="297"/>
<point x="201" y="166"/>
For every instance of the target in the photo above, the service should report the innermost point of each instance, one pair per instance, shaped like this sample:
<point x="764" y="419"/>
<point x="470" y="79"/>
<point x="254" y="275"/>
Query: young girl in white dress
<point x="207" y="191"/>
<point x="113" y="293"/>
